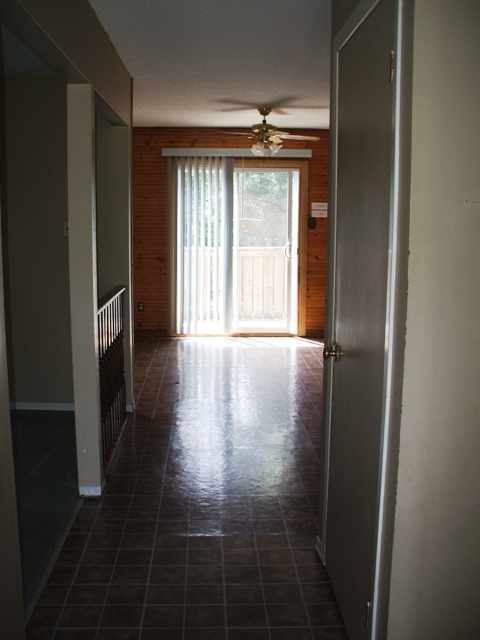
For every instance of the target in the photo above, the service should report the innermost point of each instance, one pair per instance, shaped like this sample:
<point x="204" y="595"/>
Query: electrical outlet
<point x="141" y="306"/>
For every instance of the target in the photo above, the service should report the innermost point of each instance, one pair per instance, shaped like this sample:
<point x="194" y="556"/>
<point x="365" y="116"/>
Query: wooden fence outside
<point x="260" y="273"/>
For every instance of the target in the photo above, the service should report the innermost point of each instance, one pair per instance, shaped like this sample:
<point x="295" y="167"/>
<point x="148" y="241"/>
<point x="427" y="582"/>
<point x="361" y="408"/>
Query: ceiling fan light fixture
<point x="274" y="147"/>
<point x="269" y="138"/>
<point x="258" y="149"/>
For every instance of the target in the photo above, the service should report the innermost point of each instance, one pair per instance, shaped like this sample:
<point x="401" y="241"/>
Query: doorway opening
<point x="240" y="246"/>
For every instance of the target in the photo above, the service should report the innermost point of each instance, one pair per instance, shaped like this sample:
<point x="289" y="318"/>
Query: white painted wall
<point x="113" y="197"/>
<point x="112" y="202"/>
<point x="69" y="39"/>
<point x="38" y="301"/>
<point x="79" y="36"/>
<point x="436" y="554"/>
<point x="66" y="36"/>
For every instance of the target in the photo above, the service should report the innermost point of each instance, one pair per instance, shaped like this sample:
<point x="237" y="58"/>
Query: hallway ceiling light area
<point x="208" y="64"/>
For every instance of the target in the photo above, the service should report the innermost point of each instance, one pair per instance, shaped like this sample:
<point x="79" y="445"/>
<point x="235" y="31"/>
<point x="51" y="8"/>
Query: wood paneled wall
<point x="150" y="219"/>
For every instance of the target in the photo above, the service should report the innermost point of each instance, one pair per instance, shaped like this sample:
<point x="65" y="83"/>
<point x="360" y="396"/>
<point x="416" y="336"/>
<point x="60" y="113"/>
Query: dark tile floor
<point x="207" y="527"/>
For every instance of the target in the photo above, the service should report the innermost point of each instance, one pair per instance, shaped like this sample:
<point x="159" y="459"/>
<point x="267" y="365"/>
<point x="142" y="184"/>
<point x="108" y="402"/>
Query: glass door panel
<point x="266" y="203"/>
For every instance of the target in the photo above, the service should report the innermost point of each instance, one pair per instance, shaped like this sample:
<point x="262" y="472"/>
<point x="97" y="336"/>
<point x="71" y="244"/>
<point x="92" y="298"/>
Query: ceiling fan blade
<point x="290" y="136"/>
<point x="238" y="133"/>
<point x="281" y="106"/>
<point x="276" y="132"/>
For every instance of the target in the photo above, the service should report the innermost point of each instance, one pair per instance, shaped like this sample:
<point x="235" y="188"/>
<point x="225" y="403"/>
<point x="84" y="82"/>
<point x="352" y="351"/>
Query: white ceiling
<point x="211" y="63"/>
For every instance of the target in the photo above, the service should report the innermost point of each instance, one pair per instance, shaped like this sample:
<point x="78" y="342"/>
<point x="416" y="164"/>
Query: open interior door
<point x="357" y="349"/>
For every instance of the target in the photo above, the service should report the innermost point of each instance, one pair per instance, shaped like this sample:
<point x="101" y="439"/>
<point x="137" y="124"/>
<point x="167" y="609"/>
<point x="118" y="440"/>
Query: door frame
<point x="396" y="298"/>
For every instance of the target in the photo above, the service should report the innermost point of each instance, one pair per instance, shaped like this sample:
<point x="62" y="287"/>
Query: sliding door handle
<point x="287" y="250"/>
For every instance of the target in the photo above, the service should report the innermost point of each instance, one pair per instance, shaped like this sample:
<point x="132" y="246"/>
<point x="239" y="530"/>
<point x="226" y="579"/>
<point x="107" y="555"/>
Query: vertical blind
<point x="202" y="189"/>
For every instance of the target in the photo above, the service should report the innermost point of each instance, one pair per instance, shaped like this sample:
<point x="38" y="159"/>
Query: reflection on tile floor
<point x="206" y="530"/>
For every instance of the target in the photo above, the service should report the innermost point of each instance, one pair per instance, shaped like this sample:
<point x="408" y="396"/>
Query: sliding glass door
<point x="266" y="203"/>
<point x="236" y="247"/>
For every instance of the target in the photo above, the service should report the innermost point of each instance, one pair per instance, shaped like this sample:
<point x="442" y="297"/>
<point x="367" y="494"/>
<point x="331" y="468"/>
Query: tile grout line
<point x="132" y="498"/>
<point x="267" y="618"/>
<point x="224" y="588"/>
<point x="145" y="601"/>
<point x="299" y="581"/>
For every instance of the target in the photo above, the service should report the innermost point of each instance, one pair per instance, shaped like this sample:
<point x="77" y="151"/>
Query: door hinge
<point x="368" y="617"/>
<point x="392" y="65"/>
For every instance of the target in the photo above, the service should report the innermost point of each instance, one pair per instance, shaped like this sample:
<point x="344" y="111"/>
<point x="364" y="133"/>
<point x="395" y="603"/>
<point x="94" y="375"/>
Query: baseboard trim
<point x="315" y="333"/>
<point x="42" y="406"/>
<point x="90" y="492"/>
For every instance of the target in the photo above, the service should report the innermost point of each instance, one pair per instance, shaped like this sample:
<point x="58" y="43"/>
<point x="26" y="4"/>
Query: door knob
<point x="333" y="351"/>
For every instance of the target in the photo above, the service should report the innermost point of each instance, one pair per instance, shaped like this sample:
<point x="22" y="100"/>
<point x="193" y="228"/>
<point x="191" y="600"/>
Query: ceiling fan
<point x="268" y="136"/>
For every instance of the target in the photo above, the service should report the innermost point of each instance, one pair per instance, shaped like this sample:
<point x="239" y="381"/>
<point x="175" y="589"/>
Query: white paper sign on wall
<point x="319" y="209"/>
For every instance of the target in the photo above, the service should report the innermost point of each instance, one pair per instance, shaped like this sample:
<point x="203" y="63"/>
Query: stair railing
<point x="112" y="370"/>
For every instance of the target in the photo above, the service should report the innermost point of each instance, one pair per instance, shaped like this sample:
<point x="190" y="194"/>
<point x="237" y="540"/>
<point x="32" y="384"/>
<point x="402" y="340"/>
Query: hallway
<point x="207" y="527"/>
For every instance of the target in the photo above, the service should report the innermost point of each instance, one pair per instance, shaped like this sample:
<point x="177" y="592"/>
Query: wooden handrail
<point x="108" y="297"/>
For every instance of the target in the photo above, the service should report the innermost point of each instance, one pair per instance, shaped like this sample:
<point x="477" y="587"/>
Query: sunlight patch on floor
<point x="257" y="341"/>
